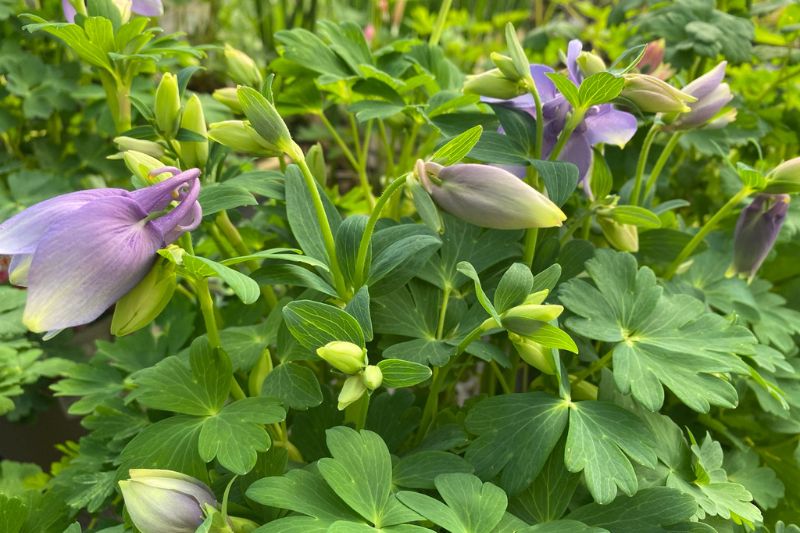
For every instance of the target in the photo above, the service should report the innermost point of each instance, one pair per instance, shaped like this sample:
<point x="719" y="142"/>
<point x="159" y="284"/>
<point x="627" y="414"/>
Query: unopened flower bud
<point x="141" y="165"/>
<point x="146" y="300"/>
<point x="316" y="163"/>
<point x="264" y="118"/>
<point x="623" y="237"/>
<point x="653" y="95"/>
<point x="168" y="105"/>
<point x="373" y="377"/>
<point x="583" y="390"/>
<point x="527" y="318"/>
<point x="344" y="356"/>
<point x="785" y="178"/>
<point x="241" y="67"/>
<point x="194" y="153"/>
<point x="490" y="197"/>
<point x="533" y="353"/>
<point x="493" y="84"/>
<point x="228" y="97"/>
<point x="163" y="500"/>
<point x="240" y="136"/>
<point x="722" y="120"/>
<point x="590" y="63"/>
<point x="506" y="66"/>
<point x="756" y="231"/>
<point x="144" y="146"/>
<point x="536" y="297"/>
<point x="652" y="58"/>
<point x="352" y="390"/>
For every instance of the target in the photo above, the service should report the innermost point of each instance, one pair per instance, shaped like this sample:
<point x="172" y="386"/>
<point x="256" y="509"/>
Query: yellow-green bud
<point x="352" y="390"/>
<point x="264" y="118"/>
<point x="146" y="300"/>
<point x="141" y="165"/>
<point x="623" y="237"/>
<point x="506" y="66"/>
<point x="228" y="97"/>
<point x="372" y="376"/>
<point x="124" y="8"/>
<point x="654" y="95"/>
<point x="316" y="162"/>
<point x="168" y="105"/>
<point x="536" y="297"/>
<point x="194" y="153"/>
<point x="239" y="135"/>
<point x="150" y="148"/>
<point x="344" y="356"/>
<point x="494" y="84"/>
<point x="527" y="318"/>
<point x="533" y="353"/>
<point x="785" y="178"/>
<point x="590" y="63"/>
<point x="583" y="390"/>
<point x="241" y="67"/>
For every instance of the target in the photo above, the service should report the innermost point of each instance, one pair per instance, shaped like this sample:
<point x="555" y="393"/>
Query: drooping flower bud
<point x="373" y="377"/>
<point x="228" y="97"/>
<point x="266" y="120"/>
<point x="494" y="84"/>
<point x="144" y="146"/>
<point x="490" y="197"/>
<point x="146" y="301"/>
<point x="654" y="95"/>
<point x="352" y="390"/>
<point x="168" y="105"/>
<point x="163" y="500"/>
<point x="525" y="319"/>
<point x="712" y="95"/>
<point x="756" y="231"/>
<point x="652" y="60"/>
<point x="344" y="356"/>
<point x="533" y="353"/>
<point x="240" y="136"/>
<point x="241" y="67"/>
<point x="590" y="63"/>
<point x="623" y="237"/>
<point x="194" y="153"/>
<point x="785" y="178"/>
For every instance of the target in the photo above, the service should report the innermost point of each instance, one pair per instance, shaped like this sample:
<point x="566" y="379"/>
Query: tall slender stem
<point x="706" y="229"/>
<point x="660" y="163"/>
<point x="443" y="310"/>
<point x="438" y="26"/>
<point x="642" y="163"/>
<point x="348" y="154"/>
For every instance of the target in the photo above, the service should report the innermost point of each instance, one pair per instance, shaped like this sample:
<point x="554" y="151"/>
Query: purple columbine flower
<point x="603" y="124"/>
<point x="756" y="231"/>
<point x="712" y="95"/>
<point x="78" y="253"/>
<point x="147" y="8"/>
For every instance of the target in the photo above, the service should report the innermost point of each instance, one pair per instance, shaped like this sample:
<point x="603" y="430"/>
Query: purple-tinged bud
<point x="785" y="178"/>
<point x="160" y="501"/>
<point x="490" y="197"/>
<point x="712" y="95"/>
<point x="623" y="237"/>
<point x="756" y="231"/>
<point x="654" y="95"/>
<point x="652" y="58"/>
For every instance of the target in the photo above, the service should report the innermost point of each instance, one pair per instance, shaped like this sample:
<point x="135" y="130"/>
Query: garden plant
<point x="399" y="266"/>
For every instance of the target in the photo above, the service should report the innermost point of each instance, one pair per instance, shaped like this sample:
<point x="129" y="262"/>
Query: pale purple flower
<point x="756" y="231"/>
<point x="147" y="8"/>
<point x="78" y="253"/>
<point x="602" y="124"/>
<point x="712" y="95"/>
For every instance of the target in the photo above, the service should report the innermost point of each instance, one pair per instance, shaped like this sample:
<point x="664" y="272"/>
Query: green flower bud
<point x="372" y="376"/>
<point x="141" y="165"/>
<point x="654" y="95"/>
<point x="785" y="178"/>
<point x="194" y="153"/>
<point x="527" y="318"/>
<point x="506" y="66"/>
<point x="495" y="84"/>
<point x="168" y="105"/>
<point x="536" y="297"/>
<point x="241" y="67"/>
<point x="583" y="390"/>
<point x="533" y="353"/>
<point x="316" y="162"/>
<point x="352" y="390"/>
<point x="590" y="63"/>
<point x="240" y="136"/>
<point x="265" y="120"/>
<point x="146" y="300"/>
<point x="163" y="500"/>
<point x="623" y="237"/>
<point x="344" y="356"/>
<point x="150" y="148"/>
<point x="228" y="97"/>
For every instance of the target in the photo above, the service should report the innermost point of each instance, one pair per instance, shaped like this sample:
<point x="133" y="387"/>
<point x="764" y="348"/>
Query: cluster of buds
<point x="504" y="81"/>
<point x="352" y="360"/>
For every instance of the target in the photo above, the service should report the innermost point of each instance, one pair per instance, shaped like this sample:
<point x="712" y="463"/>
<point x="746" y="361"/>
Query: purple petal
<point x="756" y="231"/>
<point x="610" y="126"/>
<point x="189" y="222"/>
<point x="69" y="10"/>
<point x="523" y="101"/>
<point x="148" y="8"/>
<point x="702" y="86"/>
<point x="704" y="109"/>
<point x="577" y="151"/>
<point x="574" y="49"/>
<point x="21" y="233"/>
<point x="159" y="196"/>
<point x="546" y="88"/>
<point x="86" y="261"/>
<point x="187" y="213"/>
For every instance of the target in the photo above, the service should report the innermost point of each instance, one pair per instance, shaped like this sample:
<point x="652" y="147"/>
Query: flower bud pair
<point x="356" y="385"/>
<point x="654" y="95"/>
<point x="489" y="196"/>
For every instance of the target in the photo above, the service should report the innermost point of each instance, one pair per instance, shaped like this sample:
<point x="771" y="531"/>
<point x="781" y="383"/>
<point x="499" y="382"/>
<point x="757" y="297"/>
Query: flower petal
<point x="18" y="269"/>
<point x="69" y="10"/>
<point x="159" y="196"/>
<point x="579" y="152"/>
<point x="20" y="233"/>
<point x="702" y="86"/>
<point x="148" y="8"/>
<point x="546" y="88"/>
<point x="574" y="49"/>
<point x="185" y="214"/>
<point x="610" y="126"/>
<point x="87" y="261"/>
<point x="188" y="223"/>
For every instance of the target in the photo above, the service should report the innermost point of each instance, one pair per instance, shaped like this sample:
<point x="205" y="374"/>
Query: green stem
<point x="324" y="224"/>
<point x="642" y="163"/>
<point x="362" y="168"/>
<point x="119" y="101"/>
<point x="572" y="122"/>
<point x="594" y="367"/>
<point x="443" y="310"/>
<point x="348" y="154"/>
<point x="438" y="27"/>
<point x="366" y="237"/>
<point x="706" y="229"/>
<point x="529" y="250"/>
<point x="500" y="378"/>
<point x="207" y="310"/>
<point x="387" y="148"/>
<point x="660" y="163"/>
<point x="537" y="100"/>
